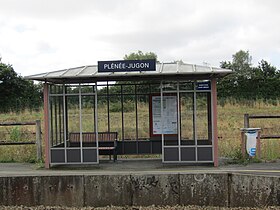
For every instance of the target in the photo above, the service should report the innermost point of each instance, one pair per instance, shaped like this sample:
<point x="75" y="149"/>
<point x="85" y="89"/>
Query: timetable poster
<point x="169" y="118"/>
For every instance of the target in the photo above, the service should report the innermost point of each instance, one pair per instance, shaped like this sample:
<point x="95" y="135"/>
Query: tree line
<point x="246" y="83"/>
<point x="16" y="93"/>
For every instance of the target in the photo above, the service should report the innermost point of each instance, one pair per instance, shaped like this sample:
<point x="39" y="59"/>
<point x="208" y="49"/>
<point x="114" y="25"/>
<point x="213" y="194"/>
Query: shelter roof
<point x="168" y="71"/>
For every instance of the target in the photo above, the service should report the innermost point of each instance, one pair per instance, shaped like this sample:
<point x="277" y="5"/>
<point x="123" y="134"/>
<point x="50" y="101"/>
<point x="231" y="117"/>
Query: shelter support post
<point x="258" y="152"/>
<point x="243" y="144"/>
<point x="214" y="120"/>
<point x="46" y="124"/>
<point x="38" y="140"/>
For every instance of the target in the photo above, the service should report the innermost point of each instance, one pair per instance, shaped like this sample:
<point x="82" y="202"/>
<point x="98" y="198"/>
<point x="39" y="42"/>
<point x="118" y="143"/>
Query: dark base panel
<point x="90" y="155"/>
<point x="73" y="155"/>
<point x="57" y="156"/>
<point x="188" y="154"/>
<point x="204" y="154"/>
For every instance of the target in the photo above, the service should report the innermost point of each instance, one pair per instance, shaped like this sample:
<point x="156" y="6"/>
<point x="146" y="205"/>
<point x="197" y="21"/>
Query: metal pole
<point x="259" y="145"/>
<point x="214" y="120"/>
<point x="136" y="118"/>
<point x="243" y="144"/>
<point x="96" y="122"/>
<point x="122" y="119"/>
<point x="246" y="121"/>
<point x="81" y="126"/>
<point x="195" y="121"/>
<point x="162" y="119"/>
<point x="46" y="125"/>
<point x="108" y="107"/>
<point x="38" y="140"/>
<point x="178" y="121"/>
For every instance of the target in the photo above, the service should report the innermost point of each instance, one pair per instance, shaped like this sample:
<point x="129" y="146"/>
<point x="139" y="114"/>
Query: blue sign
<point x="203" y="85"/>
<point x="127" y="65"/>
<point x="252" y="152"/>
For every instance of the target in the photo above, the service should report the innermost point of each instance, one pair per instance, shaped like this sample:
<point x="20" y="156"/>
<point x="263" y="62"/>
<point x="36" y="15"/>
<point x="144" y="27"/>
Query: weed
<point x="15" y="134"/>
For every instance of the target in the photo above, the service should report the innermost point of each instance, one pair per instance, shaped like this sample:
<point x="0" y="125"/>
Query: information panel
<point x="169" y="118"/>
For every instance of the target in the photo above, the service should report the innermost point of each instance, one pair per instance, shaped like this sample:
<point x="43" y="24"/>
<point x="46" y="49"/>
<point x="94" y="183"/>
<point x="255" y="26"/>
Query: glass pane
<point x="129" y="117"/>
<point x="115" y="111"/>
<point x="114" y="89"/>
<point x="73" y="118"/>
<point x="56" y="119"/>
<point x="143" y="117"/>
<point x="187" y="118"/>
<point x="155" y="88"/>
<point x="56" y="89"/>
<point x="72" y="89"/>
<point x="203" y="118"/>
<point x="102" y="90"/>
<point x="186" y="85"/>
<point x="88" y="122"/>
<point x="128" y="89"/>
<point x="169" y="86"/>
<point x="87" y="89"/>
<point x="143" y="89"/>
<point x="103" y="122"/>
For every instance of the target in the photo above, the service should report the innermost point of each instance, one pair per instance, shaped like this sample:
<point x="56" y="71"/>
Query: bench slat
<point x="103" y="137"/>
<point x="91" y="136"/>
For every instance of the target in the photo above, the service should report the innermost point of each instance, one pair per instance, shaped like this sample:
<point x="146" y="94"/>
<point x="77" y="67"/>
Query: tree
<point x="16" y="93"/>
<point x="247" y="82"/>
<point x="267" y="79"/>
<point x="235" y="85"/>
<point x="140" y="56"/>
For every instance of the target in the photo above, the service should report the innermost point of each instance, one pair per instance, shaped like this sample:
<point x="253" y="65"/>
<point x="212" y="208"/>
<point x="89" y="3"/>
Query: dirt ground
<point x="135" y="208"/>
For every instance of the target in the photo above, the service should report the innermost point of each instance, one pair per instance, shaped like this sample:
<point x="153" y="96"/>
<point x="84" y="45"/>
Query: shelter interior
<point x="169" y="118"/>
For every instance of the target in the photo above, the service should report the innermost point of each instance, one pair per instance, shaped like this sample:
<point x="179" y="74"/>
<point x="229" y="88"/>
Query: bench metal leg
<point x="115" y="155"/>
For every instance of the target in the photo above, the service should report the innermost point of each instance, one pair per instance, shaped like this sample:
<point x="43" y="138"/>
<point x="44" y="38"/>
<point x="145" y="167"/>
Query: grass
<point x="230" y="120"/>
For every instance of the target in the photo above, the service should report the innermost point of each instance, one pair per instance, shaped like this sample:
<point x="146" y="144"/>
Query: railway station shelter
<point x="164" y="109"/>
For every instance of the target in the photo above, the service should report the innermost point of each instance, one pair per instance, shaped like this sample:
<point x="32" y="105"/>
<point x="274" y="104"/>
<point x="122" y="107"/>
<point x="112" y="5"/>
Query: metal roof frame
<point x="164" y="71"/>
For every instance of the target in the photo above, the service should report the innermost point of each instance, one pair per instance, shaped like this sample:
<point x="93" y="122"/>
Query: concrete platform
<point x="137" y="166"/>
<point x="141" y="183"/>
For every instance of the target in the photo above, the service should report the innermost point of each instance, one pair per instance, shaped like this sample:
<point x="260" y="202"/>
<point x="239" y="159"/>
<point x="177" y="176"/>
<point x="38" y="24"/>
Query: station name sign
<point x="127" y="65"/>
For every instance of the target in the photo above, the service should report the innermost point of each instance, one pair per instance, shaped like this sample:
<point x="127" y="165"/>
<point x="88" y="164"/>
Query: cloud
<point x="46" y="35"/>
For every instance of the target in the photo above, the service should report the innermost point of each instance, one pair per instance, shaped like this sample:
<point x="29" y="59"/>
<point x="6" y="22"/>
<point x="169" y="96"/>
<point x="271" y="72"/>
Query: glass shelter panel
<point x="103" y="114"/>
<point x="143" y="117"/>
<point x="115" y="114"/>
<point x="186" y="85"/>
<point x="203" y="118"/>
<point x="72" y="121"/>
<point x="88" y="121"/>
<point x="73" y="118"/>
<point x="129" y="117"/>
<point x="187" y="118"/>
<point x="56" y="89"/>
<point x="56" y="121"/>
<point x="169" y="86"/>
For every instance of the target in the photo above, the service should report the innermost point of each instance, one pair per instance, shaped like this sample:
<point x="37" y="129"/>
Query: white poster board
<point x="169" y="119"/>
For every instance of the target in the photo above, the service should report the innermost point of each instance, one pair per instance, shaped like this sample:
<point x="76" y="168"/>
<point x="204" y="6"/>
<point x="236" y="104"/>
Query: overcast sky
<point x="45" y="35"/>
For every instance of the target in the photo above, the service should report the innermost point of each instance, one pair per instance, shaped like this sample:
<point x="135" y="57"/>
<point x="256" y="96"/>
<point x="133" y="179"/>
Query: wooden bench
<point x="107" y="141"/>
